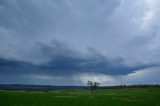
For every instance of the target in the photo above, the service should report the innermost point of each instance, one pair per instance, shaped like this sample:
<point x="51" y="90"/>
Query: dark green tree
<point x="93" y="85"/>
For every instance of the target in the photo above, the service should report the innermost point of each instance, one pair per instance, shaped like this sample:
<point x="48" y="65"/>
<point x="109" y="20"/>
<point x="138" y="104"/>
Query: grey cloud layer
<point x="24" y="23"/>
<point x="113" y="37"/>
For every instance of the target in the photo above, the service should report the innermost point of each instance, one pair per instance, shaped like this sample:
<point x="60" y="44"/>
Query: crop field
<point x="82" y="97"/>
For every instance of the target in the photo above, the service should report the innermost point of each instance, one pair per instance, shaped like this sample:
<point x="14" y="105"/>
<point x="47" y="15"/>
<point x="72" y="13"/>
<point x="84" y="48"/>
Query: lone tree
<point x="93" y="85"/>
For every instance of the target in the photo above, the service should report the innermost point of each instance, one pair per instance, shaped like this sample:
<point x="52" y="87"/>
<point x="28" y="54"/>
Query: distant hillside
<point x="49" y="87"/>
<point x="35" y="87"/>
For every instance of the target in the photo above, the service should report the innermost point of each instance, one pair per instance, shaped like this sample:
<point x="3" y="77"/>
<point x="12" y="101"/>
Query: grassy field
<point x="82" y="97"/>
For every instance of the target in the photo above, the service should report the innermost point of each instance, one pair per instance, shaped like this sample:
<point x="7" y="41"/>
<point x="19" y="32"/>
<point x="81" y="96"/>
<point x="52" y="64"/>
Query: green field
<point x="82" y="97"/>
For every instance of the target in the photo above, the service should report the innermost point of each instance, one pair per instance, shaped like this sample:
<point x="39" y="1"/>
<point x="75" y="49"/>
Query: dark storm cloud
<point x="67" y="62"/>
<point x="67" y="37"/>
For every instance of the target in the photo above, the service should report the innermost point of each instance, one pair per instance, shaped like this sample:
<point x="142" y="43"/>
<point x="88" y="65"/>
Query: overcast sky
<point x="68" y="42"/>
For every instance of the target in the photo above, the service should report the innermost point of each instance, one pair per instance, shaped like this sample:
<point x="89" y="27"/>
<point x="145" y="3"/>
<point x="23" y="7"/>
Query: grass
<point x="82" y="97"/>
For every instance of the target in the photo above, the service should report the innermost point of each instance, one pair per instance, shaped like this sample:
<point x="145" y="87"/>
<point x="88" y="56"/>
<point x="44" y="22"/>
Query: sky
<point x="68" y="42"/>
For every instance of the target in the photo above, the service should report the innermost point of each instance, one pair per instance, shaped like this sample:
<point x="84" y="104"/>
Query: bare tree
<point x="93" y="85"/>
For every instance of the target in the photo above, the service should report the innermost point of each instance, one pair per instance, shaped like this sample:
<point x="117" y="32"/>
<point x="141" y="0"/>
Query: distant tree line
<point x="130" y="86"/>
